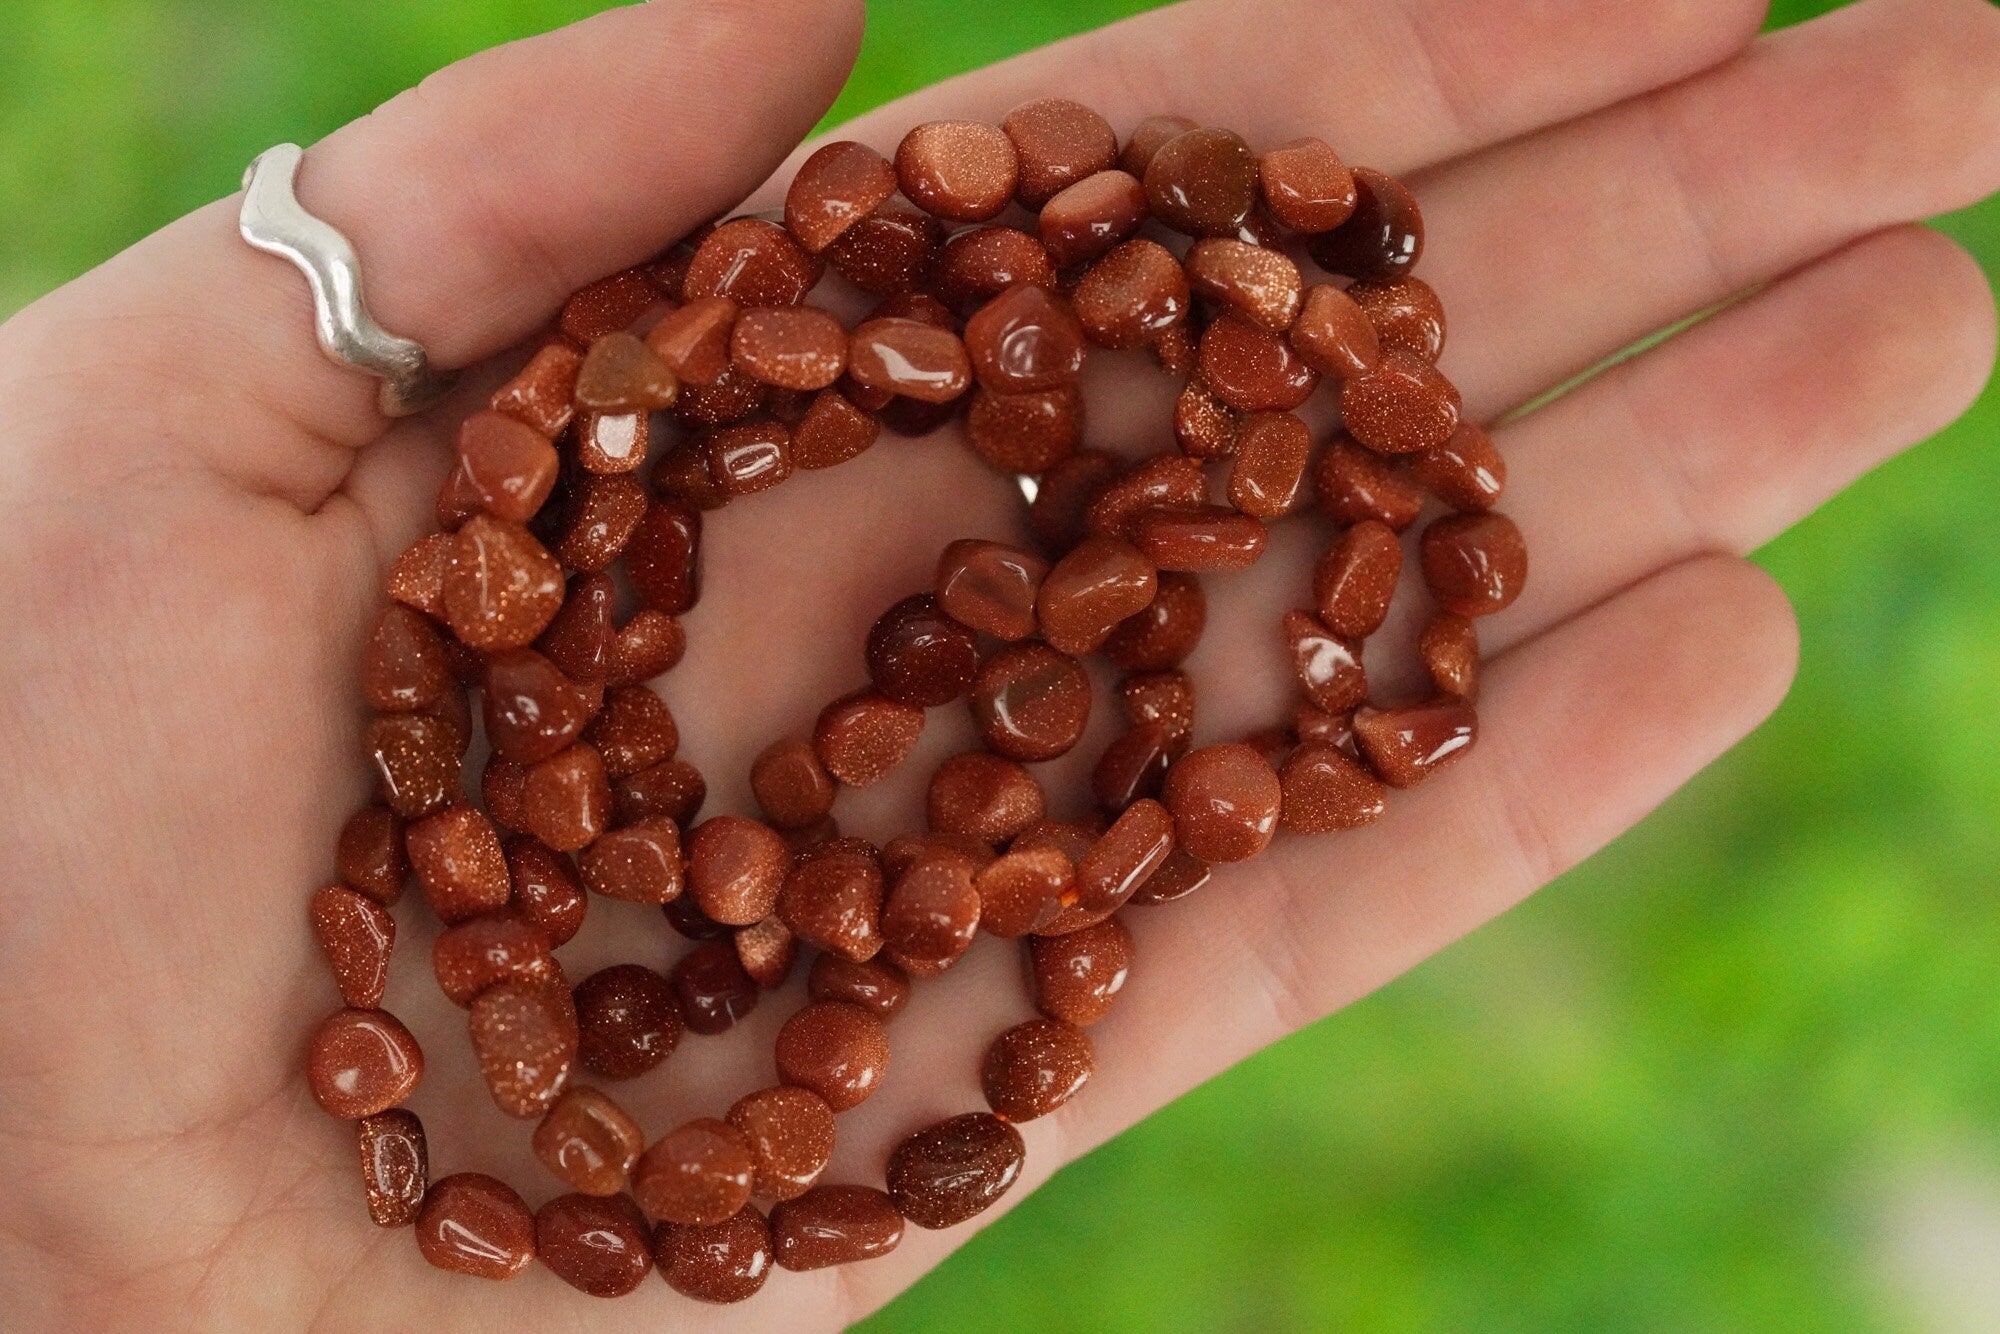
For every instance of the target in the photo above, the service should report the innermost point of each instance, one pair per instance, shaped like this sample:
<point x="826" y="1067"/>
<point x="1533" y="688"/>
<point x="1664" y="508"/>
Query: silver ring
<point x="275" y="222"/>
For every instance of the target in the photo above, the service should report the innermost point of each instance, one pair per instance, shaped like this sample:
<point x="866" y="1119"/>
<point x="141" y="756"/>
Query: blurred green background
<point x="1741" y="1072"/>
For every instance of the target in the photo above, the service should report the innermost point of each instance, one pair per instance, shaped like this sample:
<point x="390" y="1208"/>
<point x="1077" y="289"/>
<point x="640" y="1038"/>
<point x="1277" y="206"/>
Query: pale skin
<point x="196" y="508"/>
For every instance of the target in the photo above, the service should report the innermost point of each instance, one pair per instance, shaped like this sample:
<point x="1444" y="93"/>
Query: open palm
<point x="195" y="510"/>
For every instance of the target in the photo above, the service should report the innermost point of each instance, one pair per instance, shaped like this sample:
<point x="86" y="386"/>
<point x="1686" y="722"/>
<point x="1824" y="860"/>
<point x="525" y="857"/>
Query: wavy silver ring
<point x="275" y="222"/>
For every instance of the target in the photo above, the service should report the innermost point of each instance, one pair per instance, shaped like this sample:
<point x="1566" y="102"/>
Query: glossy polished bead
<point x="531" y="709"/>
<point x="663" y="558"/>
<point x="792" y="347"/>
<point x="1163" y="480"/>
<point x="698" y="1173"/>
<point x="510" y="465"/>
<point x="1333" y="335"/>
<point x="919" y="655"/>
<point x="733" y="397"/>
<point x="606" y="306"/>
<point x="1328" y="667"/>
<point x="1088" y="592"/>
<point x="894" y="249"/>
<point x="415" y="756"/>
<point x="1355" y="580"/>
<point x="735" y="867"/>
<point x="832" y="431"/>
<point x="1025" y="433"/>
<point x="416" y="579"/>
<point x="1022" y="890"/>
<point x="1406" y="746"/>
<point x="369" y="854"/>
<point x="1057" y="143"/>
<point x="1272" y="449"/>
<point x="1159" y="696"/>
<point x="1306" y="185"/>
<point x="1180" y="875"/>
<point x="834" y="1225"/>
<point x="1147" y="137"/>
<point x="877" y="986"/>
<point x="1466" y="472"/>
<point x="496" y="947"/>
<point x="640" y="862"/>
<point x="990" y="587"/>
<point x="957" y="169"/>
<point x="1133" y="766"/>
<point x="1077" y="977"/>
<point x="949" y="1172"/>
<point x="1030" y="702"/>
<point x="1203" y="182"/>
<point x="525" y="1036"/>
<point x="604" y="511"/>
<point x="634" y="730"/>
<point x="502" y="587"/>
<point x="471" y="1223"/>
<point x="1025" y="340"/>
<point x="930" y="914"/>
<point x="1165" y="631"/>
<point x="1197" y="539"/>
<point x="711" y="988"/>
<point x="791" y="785"/>
<point x="650" y="643"/>
<point x="861" y="737"/>
<point x="725" y="1262"/>
<point x="1474" y="564"/>
<point x="1449" y="648"/>
<point x="626" y="1020"/>
<point x="623" y="376"/>
<point x="1403" y="406"/>
<point x="589" y="1141"/>
<point x="1205" y="427"/>
<point x="1131" y="296"/>
<point x="395" y="1166"/>
<point x="838" y="1050"/>
<point x="457" y="858"/>
<point x="693" y="341"/>
<point x="1261" y="284"/>
<point x="578" y="641"/>
<point x="1092" y="215"/>
<point x="1406" y="313"/>
<point x="838" y="186"/>
<point x="566" y="798"/>
<point x="456" y="500"/>
<point x="1353" y="484"/>
<point x="542" y="393"/>
<point x="600" y="1245"/>
<point x="1382" y="239"/>
<point x="546" y="890"/>
<point x="1326" y="790"/>
<point x="833" y="899"/>
<point x="357" y="935"/>
<point x="672" y="791"/>
<point x="745" y="459"/>
<point x="983" y="796"/>
<point x="909" y="357"/>
<point x="1252" y="369"/>
<point x="362" y="1062"/>
<point x="753" y="263"/>
<point x="1033" y="1068"/>
<point x="767" y="950"/>
<point x="1119" y="861"/>
<point x="790" y="1134"/>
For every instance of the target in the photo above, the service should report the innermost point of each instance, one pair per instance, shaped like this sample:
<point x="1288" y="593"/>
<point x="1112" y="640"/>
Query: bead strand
<point x="671" y="391"/>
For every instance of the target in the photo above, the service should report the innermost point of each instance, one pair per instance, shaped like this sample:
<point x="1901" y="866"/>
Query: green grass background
<point x="1669" y="1094"/>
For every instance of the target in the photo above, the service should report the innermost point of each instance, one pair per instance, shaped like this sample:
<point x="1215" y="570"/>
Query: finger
<point x="1396" y="85"/>
<point x="1583" y="731"/>
<point x="477" y="201"/>
<point x="1721" y="438"/>
<point x="1556" y="251"/>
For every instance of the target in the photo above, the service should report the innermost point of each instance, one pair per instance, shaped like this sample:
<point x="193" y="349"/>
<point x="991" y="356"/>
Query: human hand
<point x="198" y="507"/>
